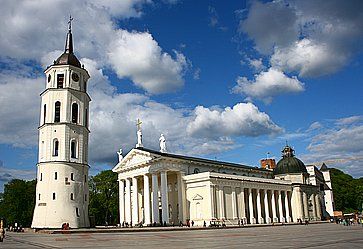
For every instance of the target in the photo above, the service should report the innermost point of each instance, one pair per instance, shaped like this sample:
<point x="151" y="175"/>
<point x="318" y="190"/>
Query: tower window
<point x="60" y="80"/>
<point x="57" y="109"/>
<point x="72" y="197"/>
<point x="53" y="196"/>
<point x="55" y="175"/>
<point x="77" y="212"/>
<point x="73" y="149"/>
<point x="72" y="176"/>
<point x="41" y="176"/>
<point x="85" y="197"/>
<point x="85" y="178"/>
<point x="44" y="113"/>
<point x="39" y="197"/>
<point x="55" y="147"/>
<point x="75" y="113"/>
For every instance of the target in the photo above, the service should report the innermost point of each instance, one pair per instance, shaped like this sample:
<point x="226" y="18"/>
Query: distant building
<point x="268" y="163"/>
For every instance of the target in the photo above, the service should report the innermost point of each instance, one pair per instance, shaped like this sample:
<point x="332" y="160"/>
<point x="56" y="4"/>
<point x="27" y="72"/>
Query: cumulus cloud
<point x="339" y="146"/>
<point x="312" y="38"/>
<point x="243" y="119"/>
<point x="268" y="84"/>
<point x="33" y="34"/>
<point x="138" y="56"/>
<point x="308" y="58"/>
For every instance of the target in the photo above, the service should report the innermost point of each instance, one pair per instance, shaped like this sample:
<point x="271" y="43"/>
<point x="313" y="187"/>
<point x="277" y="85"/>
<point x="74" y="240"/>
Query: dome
<point x="289" y="163"/>
<point x="67" y="59"/>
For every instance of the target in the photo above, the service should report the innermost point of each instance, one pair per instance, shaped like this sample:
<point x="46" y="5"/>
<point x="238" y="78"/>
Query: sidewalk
<point x="158" y="229"/>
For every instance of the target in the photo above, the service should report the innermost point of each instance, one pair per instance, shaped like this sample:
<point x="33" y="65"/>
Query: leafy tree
<point x="347" y="191"/>
<point x="17" y="202"/>
<point x="103" y="205"/>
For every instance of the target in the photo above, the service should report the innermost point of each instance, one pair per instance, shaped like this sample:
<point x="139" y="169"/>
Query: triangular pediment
<point x="197" y="197"/>
<point x="133" y="158"/>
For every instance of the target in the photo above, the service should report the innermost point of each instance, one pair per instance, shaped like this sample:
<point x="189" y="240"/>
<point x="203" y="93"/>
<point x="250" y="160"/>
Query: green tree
<point x="347" y="191"/>
<point x="103" y="205"/>
<point x="17" y="203"/>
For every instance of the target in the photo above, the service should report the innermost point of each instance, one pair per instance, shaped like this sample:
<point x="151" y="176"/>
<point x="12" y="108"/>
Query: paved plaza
<point x="298" y="236"/>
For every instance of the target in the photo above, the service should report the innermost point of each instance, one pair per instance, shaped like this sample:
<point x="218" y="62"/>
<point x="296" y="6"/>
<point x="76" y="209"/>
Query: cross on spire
<point x="138" y="124"/>
<point x="70" y="23"/>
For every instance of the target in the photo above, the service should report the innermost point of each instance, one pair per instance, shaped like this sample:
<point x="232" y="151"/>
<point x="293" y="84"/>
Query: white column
<point x="121" y="186"/>
<point x="135" y="206"/>
<point x="128" y="201"/>
<point x="147" y="211"/>
<point x="273" y="204"/>
<point x="234" y="204"/>
<point x="281" y="213"/>
<point x="259" y="211"/>
<point x="155" y="200"/>
<point x="306" y="210"/>
<point x="267" y="212"/>
<point x="318" y="207"/>
<point x="221" y="203"/>
<point x="180" y="197"/>
<point x="212" y="201"/>
<point x="287" y="208"/>
<point x="242" y="206"/>
<point x="164" y="196"/>
<point x="314" y="206"/>
<point x="250" y="206"/>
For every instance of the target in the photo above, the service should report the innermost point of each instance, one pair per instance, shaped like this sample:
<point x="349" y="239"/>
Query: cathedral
<point x="157" y="187"/>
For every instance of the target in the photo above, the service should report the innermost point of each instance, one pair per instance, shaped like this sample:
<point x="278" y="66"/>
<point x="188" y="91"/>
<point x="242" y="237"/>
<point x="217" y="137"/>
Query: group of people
<point x="300" y="221"/>
<point x="65" y="226"/>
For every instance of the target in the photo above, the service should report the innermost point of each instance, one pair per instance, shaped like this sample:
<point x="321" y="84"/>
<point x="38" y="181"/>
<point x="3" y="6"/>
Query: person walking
<point x="2" y="231"/>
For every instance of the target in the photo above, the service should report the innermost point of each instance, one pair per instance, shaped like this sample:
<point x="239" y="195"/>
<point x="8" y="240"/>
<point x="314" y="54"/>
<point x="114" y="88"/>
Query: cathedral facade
<point x="156" y="187"/>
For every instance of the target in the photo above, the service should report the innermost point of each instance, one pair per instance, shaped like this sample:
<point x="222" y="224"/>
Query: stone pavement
<point x="322" y="235"/>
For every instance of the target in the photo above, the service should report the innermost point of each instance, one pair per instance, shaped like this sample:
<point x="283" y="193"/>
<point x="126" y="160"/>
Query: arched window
<point x="57" y="109"/>
<point x="77" y="212"/>
<point x="73" y="149"/>
<point x="196" y="171"/>
<point x="75" y="113"/>
<point x="44" y="113"/>
<point x="55" y="147"/>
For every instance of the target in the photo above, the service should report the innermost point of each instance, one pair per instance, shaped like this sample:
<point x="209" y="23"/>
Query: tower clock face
<point x="75" y="77"/>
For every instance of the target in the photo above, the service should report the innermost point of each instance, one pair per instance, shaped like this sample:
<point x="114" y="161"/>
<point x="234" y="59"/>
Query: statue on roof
<point x="139" y="134"/>
<point x="162" y="141"/>
<point x="120" y="156"/>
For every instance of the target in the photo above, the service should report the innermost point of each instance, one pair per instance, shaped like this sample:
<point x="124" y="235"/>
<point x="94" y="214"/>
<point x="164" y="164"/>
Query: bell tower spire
<point x="69" y="41"/>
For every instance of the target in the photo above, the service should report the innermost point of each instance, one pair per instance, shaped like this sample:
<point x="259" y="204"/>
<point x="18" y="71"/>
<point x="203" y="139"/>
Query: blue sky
<point x="228" y="80"/>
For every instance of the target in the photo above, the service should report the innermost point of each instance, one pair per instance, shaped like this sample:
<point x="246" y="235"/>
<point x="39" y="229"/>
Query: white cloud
<point x="19" y="112"/>
<point x="310" y="37"/>
<point x="256" y="64"/>
<point x="268" y="84"/>
<point x="339" y="146"/>
<point x="308" y="58"/>
<point x="139" y="57"/>
<point x="33" y="34"/>
<point x="243" y="119"/>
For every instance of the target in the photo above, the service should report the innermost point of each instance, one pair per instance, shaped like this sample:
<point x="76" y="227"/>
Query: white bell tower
<point x="62" y="171"/>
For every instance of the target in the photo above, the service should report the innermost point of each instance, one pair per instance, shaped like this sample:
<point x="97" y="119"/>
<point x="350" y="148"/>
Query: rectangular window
<point x="85" y="197"/>
<point x="85" y="178"/>
<point x="39" y="197"/>
<point x="77" y="212"/>
<point x="72" y="197"/>
<point x="53" y="196"/>
<point x="55" y="175"/>
<point x="60" y="80"/>
<point x="41" y="176"/>
<point x="72" y="176"/>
